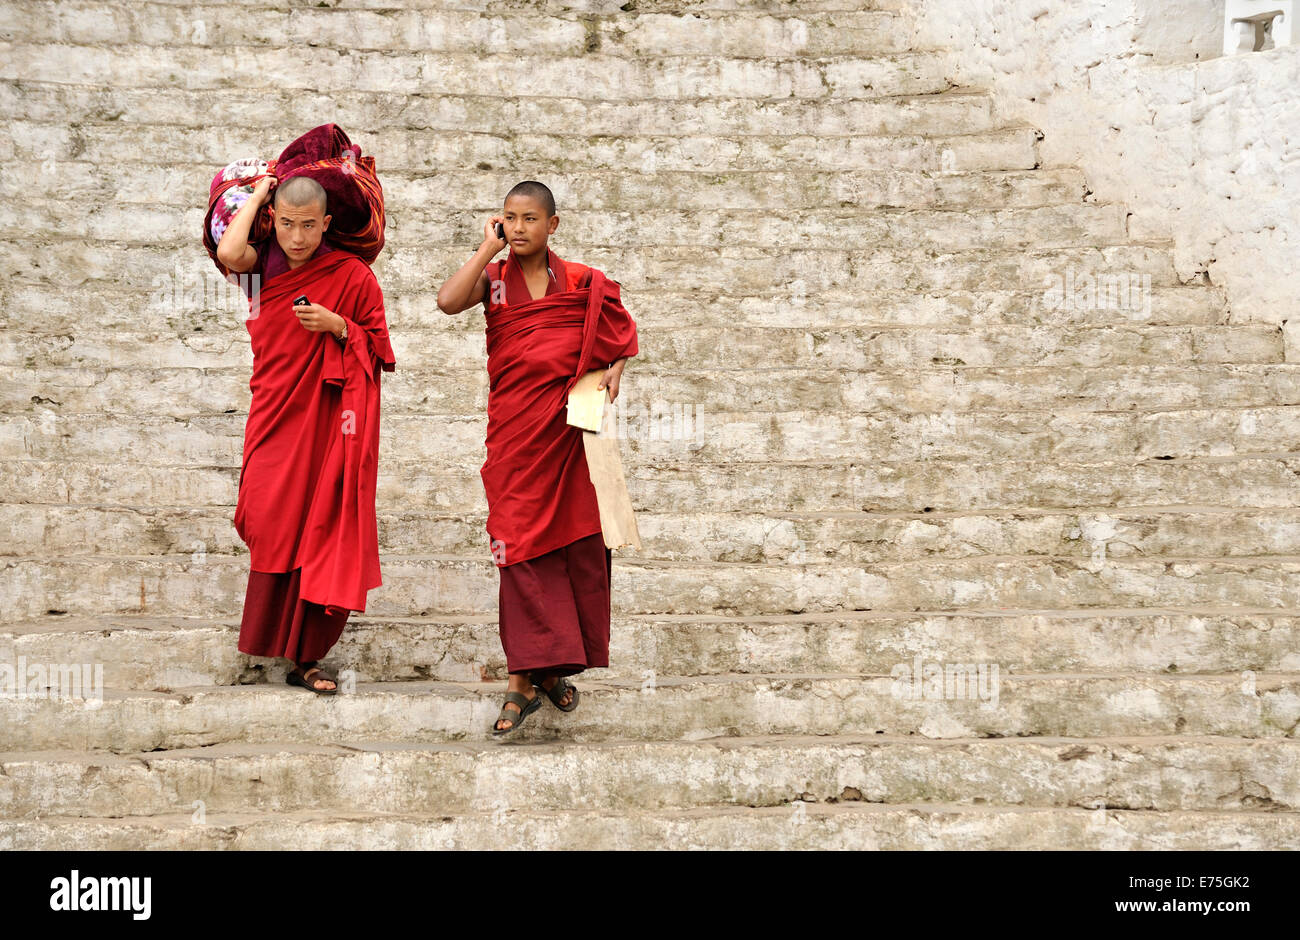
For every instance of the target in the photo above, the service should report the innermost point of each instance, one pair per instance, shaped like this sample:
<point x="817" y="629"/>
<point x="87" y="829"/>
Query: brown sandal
<point x="526" y="707"/>
<point x="295" y="677"/>
<point x="556" y="692"/>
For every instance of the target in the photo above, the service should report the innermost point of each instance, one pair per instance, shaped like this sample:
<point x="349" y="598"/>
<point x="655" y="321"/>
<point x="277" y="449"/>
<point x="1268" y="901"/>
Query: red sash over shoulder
<point x="536" y="479"/>
<point x="315" y="403"/>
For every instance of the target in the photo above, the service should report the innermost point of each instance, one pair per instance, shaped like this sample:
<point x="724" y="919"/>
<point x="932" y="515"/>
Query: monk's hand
<point x="490" y="234"/>
<point x="262" y="191"/>
<point x="318" y="319"/>
<point x="611" y="377"/>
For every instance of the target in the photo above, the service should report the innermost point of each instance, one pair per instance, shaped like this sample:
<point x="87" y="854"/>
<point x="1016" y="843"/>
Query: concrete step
<point x="412" y="150"/>
<point x="481" y="191"/>
<point x="663" y="709"/>
<point x="418" y="585"/>
<point x="1247" y="481"/>
<point x="1165" y="774"/>
<point x="281" y="115"/>
<point x="803" y="272"/>
<point x="843" y="826"/>
<point x="452" y="443"/>
<point x="191" y="299"/>
<point x="1082" y="225"/>
<point x="427" y="356"/>
<point x="600" y="74"/>
<point x="690" y="535"/>
<point x="592" y="7"/>
<point x="187" y="392"/>
<point x="218" y="28"/>
<point x="139" y="651"/>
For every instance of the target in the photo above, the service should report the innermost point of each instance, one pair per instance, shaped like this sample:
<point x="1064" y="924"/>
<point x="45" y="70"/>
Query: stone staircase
<point x="906" y="456"/>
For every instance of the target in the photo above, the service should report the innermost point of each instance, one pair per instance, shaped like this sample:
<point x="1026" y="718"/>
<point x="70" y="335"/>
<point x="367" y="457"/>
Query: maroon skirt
<point x="554" y="609"/>
<point x="277" y="622"/>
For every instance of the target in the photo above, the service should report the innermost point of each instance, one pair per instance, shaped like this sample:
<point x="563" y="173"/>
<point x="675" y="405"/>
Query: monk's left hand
<point x="318" y="319"/>
<point x="611" y="377"/>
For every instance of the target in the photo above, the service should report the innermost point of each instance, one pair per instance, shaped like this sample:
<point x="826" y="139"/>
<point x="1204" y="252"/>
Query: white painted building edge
<point x="1202" y="148"/>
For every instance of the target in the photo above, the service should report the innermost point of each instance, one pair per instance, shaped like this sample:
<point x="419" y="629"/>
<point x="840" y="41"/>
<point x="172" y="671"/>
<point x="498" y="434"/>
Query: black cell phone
<point x="501" y="231"/>
<point x="300" y="300"/>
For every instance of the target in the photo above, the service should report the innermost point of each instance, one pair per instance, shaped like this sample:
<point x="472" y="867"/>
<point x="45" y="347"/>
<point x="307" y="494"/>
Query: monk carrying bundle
<point x="548" y="323"/>
<point x="306" y="505"/>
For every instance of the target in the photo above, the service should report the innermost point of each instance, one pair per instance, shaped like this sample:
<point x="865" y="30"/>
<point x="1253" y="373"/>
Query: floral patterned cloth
<point x="232" y="198"/>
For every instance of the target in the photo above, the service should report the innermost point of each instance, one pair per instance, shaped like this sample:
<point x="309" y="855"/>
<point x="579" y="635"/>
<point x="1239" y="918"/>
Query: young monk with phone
<point x="548" y="322"/>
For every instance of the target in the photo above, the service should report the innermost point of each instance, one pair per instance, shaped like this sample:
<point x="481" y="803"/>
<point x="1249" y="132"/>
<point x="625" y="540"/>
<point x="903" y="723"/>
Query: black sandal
<point x="526" y="707"/>
<point x="300" y="678"/>
<point x="556" y="692"/>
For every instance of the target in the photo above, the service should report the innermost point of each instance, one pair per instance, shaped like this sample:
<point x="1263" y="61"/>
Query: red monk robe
<point x="306" y="506"/>
<point x="543" y="522"/>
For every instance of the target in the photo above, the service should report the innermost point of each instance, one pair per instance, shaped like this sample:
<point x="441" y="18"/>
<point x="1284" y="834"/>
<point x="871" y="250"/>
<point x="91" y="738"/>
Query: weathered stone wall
<point x="1201" y="147"/>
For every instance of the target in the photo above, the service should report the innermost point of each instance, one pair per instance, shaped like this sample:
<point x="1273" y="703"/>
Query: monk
<point x="306" y="505"/>
<point x="548" y="322"/>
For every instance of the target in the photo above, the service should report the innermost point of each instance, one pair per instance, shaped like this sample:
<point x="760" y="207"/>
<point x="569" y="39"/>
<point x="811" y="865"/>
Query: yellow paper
<point x="587" y="403"/>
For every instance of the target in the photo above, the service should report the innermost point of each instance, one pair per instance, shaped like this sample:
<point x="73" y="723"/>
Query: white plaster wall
<point x="1203" y="149"/>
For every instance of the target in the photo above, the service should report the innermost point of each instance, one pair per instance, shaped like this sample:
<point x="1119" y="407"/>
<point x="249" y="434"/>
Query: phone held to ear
<point x="501" y="231"/>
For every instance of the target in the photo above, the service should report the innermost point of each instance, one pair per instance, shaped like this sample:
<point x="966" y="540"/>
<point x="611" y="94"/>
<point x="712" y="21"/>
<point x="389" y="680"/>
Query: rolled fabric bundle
<point x="324" y="153"/>
<point x="230" y="189"/>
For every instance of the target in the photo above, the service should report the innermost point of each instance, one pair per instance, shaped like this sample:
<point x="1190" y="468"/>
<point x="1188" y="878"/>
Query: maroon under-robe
<point x="543" y="522"/>
<point x="554" y="609"/>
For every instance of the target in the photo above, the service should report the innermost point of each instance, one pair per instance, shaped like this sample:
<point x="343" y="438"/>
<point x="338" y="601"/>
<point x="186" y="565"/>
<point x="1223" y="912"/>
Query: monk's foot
<point x="565" y="698"/>
<point x="523" y="688"/>
<point x="306" y="671"/>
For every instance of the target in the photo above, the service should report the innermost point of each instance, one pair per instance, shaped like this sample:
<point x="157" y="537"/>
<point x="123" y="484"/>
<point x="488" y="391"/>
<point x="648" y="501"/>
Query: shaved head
<point x="532" y="189"/>
<point x="301" y="191"/>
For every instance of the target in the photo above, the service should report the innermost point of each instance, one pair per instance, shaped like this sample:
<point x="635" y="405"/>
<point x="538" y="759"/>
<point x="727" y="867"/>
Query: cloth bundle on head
<point x="356" y="200"/>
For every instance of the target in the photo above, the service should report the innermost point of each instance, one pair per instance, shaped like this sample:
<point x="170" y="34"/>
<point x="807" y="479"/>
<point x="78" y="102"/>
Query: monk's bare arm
<point x="469" y="285"/>
<point x="233" y="250"/>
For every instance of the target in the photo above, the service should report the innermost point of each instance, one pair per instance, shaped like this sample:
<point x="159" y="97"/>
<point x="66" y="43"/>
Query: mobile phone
<point x="501" y="231"/>
<point x="300" y="300"/>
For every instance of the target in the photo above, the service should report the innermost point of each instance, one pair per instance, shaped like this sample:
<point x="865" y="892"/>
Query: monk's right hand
<point x="490" y="234"/>
<point x="262" y="191"/>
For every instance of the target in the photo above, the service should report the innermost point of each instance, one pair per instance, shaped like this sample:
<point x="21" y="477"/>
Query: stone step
<point x="420" y="585"/>
<point x="219" y="28"/>
<point x="191" y="298"/>
<point x="186" y="393"/>
<point x="1007" y="148"/>
<point x="601" y="74"/>
<point x="281" y="115"/>
<point x="842" y="826"/>
<point x="802" y="272"/>
<point x="663" y="708"/>
<point x="597" y="7"/>
<point x="1162" y="774"/>
<point x="690" y="535"/>
<point x="452" y="443"/>
<point x="427" y="357"/>
<point x="481" y="191"/>
<point x="1101" y="485"/>
<point x="1083" y="225"/>
<point x="140" y="651"/>
<point x="588" y="7"/>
